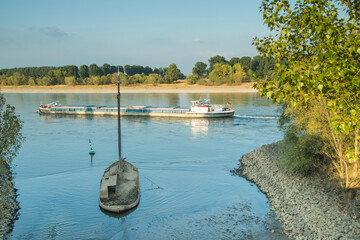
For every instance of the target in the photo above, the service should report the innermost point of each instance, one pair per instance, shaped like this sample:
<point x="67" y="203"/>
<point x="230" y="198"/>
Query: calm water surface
<point x="187" y="191"/>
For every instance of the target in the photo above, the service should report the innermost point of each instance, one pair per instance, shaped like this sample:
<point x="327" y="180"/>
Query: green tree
<point x="172" y="73"/>
<point x="44" y="81"/>
<point x="10" y="142"/>
<point x="214" y="60"/>
<point x="18" y="79"/>
<point x="106" y="79"/>
<point x="11" y="137"/>
<point x="70" y="70"/>
<point x="84" y="71"/>
<point x="70" y="81"/>
<point x="121" y="69"/>
<point x="60" y="76"/>
<point x="320" y="43"/>
<point x="222" y="73"/>
<point x="154" y="79"/>
<point x="199" y="69"/>
<point x="95" y="80"/>
<point x="129" y="70"/>
<point x="148" y="70"/>
<point x="245" y="63"/>
<point x="106" y="69"/>
<point x="234" y="61"/>
<point x="51" y="78"/>
<point x="238" y="74"/>
<point x="256" y="65"/>
<point x="31" y="81"/>
<point x="192" y="79"/>
<point x="94" y="70"/>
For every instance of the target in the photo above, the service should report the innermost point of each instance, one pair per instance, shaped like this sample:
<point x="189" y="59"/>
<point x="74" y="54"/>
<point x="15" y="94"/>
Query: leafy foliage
<point x="320" y="42"/>
<point x="10" y="133"/>
<point x="302" y="152"/>
<point x="200" y="69"/>
<point x="172" y="73"/>
<point x="225" y="73"/>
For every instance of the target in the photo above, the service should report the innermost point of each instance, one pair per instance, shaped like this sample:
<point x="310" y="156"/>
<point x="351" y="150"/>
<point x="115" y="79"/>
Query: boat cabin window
<point x="194" y="103"/>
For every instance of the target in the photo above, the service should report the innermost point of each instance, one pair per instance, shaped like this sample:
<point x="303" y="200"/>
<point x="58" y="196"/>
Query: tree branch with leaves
<point x="320" y="42"/>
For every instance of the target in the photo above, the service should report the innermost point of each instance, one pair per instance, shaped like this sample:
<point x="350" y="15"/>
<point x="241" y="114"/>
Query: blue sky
<point x="151" y="33"/>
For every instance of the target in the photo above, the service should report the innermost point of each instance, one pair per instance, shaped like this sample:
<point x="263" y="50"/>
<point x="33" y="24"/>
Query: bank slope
<point x="307" y="207"/>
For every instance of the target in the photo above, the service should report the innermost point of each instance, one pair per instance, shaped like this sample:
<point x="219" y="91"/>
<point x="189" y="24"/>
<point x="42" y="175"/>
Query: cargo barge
<point x="198" y="109"/>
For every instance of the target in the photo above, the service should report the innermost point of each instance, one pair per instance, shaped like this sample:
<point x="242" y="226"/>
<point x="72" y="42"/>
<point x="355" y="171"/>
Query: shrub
<point x="70" y="81"/>
<point x="302" y="152"/>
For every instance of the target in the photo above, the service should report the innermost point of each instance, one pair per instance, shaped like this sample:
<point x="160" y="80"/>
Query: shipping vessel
<point x="198" y="109"/>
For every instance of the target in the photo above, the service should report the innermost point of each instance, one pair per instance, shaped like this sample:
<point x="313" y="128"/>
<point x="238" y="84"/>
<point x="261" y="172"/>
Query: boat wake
<point x="256" y="117"/>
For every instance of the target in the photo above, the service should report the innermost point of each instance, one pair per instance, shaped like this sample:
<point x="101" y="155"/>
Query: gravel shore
<point x="8" y="205"/>
<point x="307" y="207"/>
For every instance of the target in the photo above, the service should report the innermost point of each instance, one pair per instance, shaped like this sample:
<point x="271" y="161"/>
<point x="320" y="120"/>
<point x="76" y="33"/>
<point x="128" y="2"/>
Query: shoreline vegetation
<point x="220" y="71"/>
<point x="8" y="203"/>
<point x="11" y="139"/>
<point x="144" y="88"/>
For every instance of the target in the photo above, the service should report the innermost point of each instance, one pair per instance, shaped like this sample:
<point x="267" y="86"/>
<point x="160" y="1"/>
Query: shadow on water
<point x="91" y="159"/>
<point x="118" y="215"/>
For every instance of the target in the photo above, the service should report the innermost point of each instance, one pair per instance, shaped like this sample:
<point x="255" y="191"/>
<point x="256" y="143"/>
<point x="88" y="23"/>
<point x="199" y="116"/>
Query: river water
<point x="187" y="191"/>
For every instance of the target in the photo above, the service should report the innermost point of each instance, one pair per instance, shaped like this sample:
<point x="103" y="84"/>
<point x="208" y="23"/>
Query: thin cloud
<point x="197" y="40"/>
<point x="54" y="32"/>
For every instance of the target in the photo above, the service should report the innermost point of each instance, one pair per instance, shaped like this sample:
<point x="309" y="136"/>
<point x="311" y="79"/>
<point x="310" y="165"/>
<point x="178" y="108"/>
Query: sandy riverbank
<point x="308" y="207"/>
<point x="162" y="88"/>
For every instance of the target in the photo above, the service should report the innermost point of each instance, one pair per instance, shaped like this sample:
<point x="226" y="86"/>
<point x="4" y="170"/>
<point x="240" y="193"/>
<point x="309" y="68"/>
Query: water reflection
<point x="91" y="160"/>
<point x="187" y="189"/>
<point x="118" y="215"/>
<point x="199" y="127"/>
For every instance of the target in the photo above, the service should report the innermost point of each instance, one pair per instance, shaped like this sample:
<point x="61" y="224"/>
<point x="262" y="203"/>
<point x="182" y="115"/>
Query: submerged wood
<point x="119" y="189"/>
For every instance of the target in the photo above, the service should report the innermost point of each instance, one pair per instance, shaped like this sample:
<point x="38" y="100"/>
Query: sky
<point x="151" y="33"/>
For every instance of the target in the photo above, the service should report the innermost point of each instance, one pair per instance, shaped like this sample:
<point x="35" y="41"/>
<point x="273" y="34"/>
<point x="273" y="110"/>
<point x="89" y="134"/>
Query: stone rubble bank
<point x="307" y="207"/>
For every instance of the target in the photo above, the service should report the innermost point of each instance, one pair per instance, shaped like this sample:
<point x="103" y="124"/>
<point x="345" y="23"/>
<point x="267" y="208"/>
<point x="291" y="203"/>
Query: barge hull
<point x="144" y="114"/>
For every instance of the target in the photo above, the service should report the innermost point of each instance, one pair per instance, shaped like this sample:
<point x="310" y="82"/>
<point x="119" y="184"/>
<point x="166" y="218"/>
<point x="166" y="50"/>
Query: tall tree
<point x="239" y="74"/>
<point x="222" y="73"/>
<point x="11" y="137"/>
<point x="245" y="63"/>
<point x="106" y="69"/>
<point x="172" y="73"/>
<point x="121" y="69"/>
<point x="148" y="70"/>
<point x="199" y="69"/>
<point x="129" y="70"/>
<point x="214" y="60"/>
<point x="320" y="43"/>
<point x="71" y="70"/>
<point x="84" y="71"/>
<point x="94" y="70"/>
<point x="234" y="60"/>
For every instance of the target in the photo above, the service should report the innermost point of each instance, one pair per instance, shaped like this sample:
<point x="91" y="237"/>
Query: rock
<point x="307" y="207"/>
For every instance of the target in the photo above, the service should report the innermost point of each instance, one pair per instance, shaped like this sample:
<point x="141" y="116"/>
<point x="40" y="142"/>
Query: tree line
<point x="220" y="71"/>
<point x="89" y="75"/>
<point x="234" y="71"/>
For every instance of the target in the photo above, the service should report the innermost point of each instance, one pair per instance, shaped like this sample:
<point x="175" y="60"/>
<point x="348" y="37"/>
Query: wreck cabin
<point x="108" y="186"/>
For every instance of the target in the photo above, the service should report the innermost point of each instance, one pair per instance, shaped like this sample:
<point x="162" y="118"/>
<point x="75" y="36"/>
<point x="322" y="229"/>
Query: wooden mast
<point x="119" y="121"/>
